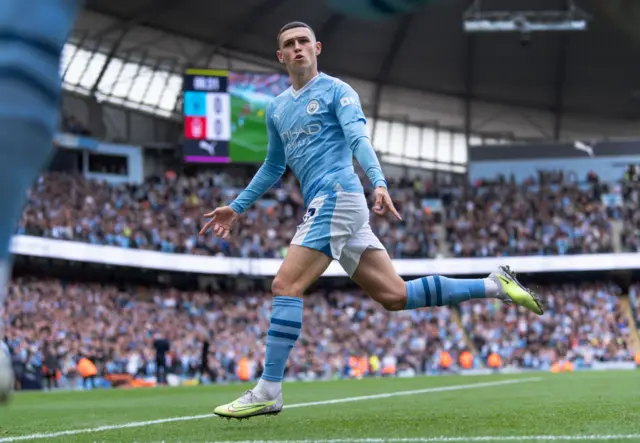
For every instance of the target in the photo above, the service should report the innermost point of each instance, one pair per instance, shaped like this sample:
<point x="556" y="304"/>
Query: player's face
<point x="298" y="49"/>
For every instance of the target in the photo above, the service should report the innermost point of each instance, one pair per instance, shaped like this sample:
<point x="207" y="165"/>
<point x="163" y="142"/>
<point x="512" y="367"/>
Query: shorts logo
<point x="313" y="107"/>
<point x="310" y="213"/>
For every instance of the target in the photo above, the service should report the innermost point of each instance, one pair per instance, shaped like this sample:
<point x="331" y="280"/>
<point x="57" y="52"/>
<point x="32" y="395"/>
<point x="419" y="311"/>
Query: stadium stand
<point x="550" y="219"/>
<point x="344" y="334"/>
<point x="583" y="324"/>
<point x="115" y="327"/>
<point x="164" y="214"/>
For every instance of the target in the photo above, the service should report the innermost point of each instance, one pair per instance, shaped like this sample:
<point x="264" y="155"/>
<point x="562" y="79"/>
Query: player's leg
<point x="369" y="265"/>
<point x="301" y="267"/>
<point x="331" y="220"/>
<point x="32" y="34"/>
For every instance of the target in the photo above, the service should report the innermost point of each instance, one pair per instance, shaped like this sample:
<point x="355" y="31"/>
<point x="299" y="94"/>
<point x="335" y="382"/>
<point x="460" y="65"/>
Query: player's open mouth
<point x="299" y="57"/>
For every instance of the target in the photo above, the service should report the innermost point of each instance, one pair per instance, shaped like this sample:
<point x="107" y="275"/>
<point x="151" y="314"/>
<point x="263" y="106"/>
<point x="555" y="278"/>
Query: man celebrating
<point x="317" y="127"/>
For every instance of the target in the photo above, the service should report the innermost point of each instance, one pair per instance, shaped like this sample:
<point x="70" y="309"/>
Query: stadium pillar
<point x="112" y="53"/>
<point x="457" y="318"/>
<point x="79" y="45"/>
<point x="469" y="71"/>
<point x="376" y="112"/>
<point x="561" y="79"/>
<point x="624" y="279"/>
<point x="634" y="335"/>
<point x="387" y="64"/>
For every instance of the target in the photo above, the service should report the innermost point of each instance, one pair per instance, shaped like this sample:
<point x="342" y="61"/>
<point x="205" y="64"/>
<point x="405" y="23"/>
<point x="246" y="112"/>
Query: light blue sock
<point x="286" y="322"/>
<point x="442" y="291"/>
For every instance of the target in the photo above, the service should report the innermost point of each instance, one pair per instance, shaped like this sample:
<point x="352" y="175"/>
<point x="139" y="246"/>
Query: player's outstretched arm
<point x="222" y="219"/>
<point x="353" y="122"/>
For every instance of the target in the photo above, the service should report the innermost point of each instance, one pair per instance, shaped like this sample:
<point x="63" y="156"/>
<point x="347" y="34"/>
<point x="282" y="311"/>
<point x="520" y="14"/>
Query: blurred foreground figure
<point x="32" y="34"/>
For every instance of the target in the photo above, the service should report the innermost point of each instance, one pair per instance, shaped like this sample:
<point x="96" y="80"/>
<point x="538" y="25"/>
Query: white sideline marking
<point x="139" y="424"/>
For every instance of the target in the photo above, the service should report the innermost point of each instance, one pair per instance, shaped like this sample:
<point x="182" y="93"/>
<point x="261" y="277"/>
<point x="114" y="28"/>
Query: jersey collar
<point x="299" y="92"/>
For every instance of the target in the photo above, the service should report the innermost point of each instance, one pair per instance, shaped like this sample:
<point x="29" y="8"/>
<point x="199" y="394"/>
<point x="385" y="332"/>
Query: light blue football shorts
<point x="338" y="225"/>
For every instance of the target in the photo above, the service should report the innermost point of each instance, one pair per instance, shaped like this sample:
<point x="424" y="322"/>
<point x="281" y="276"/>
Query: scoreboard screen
<point x="207" y="116"/>
<point x="224" y="114"/>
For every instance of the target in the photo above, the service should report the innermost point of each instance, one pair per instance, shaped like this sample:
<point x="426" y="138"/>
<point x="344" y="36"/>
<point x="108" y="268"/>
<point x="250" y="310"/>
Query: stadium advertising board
<point x="224" y="114"/>
<point x="268" y="267"/>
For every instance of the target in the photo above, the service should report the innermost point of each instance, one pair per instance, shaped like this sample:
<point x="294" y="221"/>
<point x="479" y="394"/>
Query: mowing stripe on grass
<point x="443" y="439"/>
<point x="139" y="424"/>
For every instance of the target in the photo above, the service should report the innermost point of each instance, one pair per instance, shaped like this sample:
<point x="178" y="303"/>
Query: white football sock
<point x="491" y="288"/>
<point x="269" y="390"/>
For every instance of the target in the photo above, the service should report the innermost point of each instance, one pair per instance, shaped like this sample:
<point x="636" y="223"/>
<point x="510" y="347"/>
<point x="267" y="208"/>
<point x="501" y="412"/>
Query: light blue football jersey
<point x="317" y="131"/>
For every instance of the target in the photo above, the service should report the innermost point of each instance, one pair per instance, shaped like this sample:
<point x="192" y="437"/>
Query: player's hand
<point x="384" y="203"/>
<point x="222" y="220"/>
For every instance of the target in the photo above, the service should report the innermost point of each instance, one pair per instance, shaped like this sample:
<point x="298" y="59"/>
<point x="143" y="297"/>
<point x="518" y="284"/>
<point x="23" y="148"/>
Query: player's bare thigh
<point x="301" y="267"/>
<point x="377" y="277"/>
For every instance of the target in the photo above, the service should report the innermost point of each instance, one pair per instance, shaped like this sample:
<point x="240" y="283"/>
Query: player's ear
<point x="279" y="55"/>
<point x="318" y="48"/>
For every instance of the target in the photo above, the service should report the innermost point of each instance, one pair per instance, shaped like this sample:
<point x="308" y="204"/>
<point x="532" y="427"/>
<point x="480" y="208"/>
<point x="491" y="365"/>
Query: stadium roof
<point x="592" y="73"/>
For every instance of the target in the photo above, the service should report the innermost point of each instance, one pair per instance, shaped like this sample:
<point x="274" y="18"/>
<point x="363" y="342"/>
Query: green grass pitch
<point x="248" y="142"/>
<point x="579" y="407"/>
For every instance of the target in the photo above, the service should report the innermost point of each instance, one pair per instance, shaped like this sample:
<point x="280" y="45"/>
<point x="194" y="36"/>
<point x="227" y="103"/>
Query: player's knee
<point x="391" y="299"/>
<point x="394" y="301"/>
<point x="280" y="286"/>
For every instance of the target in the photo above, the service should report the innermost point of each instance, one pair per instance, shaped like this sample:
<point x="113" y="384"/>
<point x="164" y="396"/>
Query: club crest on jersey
<point x="313" y="107"/>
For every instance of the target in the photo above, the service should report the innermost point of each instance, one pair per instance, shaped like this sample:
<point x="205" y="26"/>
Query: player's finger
<point x="392" y="208"/>
<point x="211" y="214"/>
<point x="378" y="207"/>
<point x="206" y="227"/>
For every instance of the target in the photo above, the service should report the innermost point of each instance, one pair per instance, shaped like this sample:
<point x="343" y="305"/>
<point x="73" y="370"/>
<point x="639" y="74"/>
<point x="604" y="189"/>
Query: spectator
<point x="582" y="324"/>
<point x="165" y="214"/>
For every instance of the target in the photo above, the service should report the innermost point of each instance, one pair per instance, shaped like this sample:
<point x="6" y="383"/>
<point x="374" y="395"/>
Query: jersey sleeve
<point x="270" y="171"/>
<point x="353" y="122"/>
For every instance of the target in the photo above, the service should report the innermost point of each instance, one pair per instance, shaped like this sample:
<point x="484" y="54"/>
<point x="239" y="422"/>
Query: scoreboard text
<point x="207" y="116"/>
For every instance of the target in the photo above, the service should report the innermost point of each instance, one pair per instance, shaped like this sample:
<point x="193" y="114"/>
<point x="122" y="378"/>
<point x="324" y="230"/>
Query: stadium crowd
<point x="58" y="321"/>
<point x="116" y="327"/>
<point x="165" y="214"/>
<point x="506" y="219"/>
<point x="582" y="323"/>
